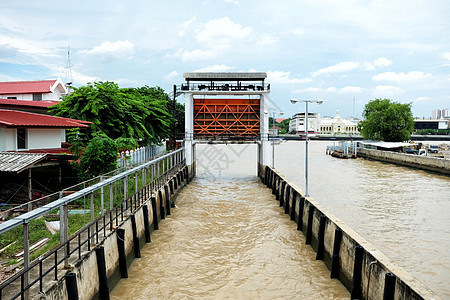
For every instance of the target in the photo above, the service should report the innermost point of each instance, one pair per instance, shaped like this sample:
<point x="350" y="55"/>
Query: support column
<point x="264" y="130"/>
<point x="189" y="132"/>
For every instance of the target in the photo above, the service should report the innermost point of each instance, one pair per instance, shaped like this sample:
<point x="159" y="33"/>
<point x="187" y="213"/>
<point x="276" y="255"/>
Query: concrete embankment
<point x="363" y="269"/>
<point x="434" y="164"/>
<point x="98" y="271"/>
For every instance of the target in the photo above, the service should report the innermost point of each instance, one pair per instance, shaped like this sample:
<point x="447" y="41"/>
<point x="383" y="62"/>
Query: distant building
<point x="436" y="124"/>
<point x="439" y="113"/>
<point x="274" y="131"/>
<point x="33" y="90"/>
<point x="23" y="131"/>
<point x="297" y="124"/>
<point x="329" y="125"/>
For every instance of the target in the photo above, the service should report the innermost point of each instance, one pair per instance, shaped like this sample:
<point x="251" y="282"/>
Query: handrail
<point x="94" y="228"/>
<point x="27" y="217"/>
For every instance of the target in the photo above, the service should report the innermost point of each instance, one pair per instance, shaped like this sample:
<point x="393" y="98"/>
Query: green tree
<point x="137" y="113"/>
<point x="387" y="120"/>
<point x="99" y="157"/>
<point x="285" y="124"/>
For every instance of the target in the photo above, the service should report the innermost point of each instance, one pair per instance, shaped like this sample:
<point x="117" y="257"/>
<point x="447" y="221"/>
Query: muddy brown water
<point x="229" y="239"/>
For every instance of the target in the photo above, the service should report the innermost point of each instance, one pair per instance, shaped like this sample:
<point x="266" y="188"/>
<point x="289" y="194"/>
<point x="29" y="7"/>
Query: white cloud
<point x="115" y="49"/>
<point x="268" y="40"/>
<point x="281" y="77"/>
<point x="215" y="68"/>
<point x="351" y="90"/>
<point x="310" y="89"/>
<point x="382" y="62"/>
<point x="340" y="67"/>
<point x="171" y="75"/>
<point x="446" y="55"/>
<point x="194" y="55"/>
<point x="420" y="99"/>
<point x="352" y="65"/>
<point x="298" y="31"/>
<point x="401" y="77"/>
<point x="233" y="1"/>
<point x="387" y="91"/>
<point x="333" y="89"/>
<point x="222" y="32"/>
<point x="186" y="25"/>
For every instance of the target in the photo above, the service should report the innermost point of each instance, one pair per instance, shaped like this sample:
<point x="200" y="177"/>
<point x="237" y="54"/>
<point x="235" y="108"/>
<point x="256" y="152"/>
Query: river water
<point x="229" y="239"/>
<point x="404" y="212"/>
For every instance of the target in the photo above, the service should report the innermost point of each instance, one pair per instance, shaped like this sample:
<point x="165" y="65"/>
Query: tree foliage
<point x="387" y="120"/>
<point x="138" y="113"/>
<point x="99" y="157"/>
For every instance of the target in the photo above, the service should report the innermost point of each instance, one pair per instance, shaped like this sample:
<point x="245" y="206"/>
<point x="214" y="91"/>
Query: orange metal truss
<point x="226" y="118"/>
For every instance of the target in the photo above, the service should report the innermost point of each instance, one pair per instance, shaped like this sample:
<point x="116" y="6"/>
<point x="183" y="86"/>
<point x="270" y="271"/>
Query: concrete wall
<point x="375" y="265"/>
<point x="8" y="140"/>
<point x="86" y="268"/>
<point x="433" y="164"/>
<point x="40" y="138"/>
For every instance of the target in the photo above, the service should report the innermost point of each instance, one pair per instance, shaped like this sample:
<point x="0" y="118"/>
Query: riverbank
<point x="433" y="164"/>
<point x="347" y="137"/>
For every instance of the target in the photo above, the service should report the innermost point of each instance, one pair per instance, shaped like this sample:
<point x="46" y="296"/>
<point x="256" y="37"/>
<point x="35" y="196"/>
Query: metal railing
<point x="127" y="159"/>
<point x="247" y="87"/>
<point x="161" y="169"/>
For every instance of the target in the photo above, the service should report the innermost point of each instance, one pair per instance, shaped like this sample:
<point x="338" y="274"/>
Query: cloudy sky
<point x="345" y="52"/>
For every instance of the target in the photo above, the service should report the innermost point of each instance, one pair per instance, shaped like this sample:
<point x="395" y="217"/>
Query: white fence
<point x="140" y="155"/>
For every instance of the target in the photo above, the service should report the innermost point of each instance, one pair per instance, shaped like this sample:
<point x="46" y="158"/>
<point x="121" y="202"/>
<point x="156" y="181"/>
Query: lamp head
<point x="293" y="100"/>
<point x="320" y="101"/>
<point x="281" y="113"/>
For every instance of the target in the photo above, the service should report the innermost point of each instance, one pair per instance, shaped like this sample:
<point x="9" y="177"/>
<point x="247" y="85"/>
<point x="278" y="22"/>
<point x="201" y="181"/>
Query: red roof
<point x="279" y="120"/>
<point x="26" y="87"/>
<point x="13" y="118"/>
<point x="42" y="103"/>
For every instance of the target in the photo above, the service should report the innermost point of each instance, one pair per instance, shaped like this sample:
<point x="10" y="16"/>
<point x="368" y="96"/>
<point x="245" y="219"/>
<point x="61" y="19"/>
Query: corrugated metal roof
<point x="17" y="161"/>
<point x="42" y="103"/>
<point x="14" y="118"/>
<point x="26" y="87"/>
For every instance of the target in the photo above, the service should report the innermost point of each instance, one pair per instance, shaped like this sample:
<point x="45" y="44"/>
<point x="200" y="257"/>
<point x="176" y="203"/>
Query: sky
<point x="344" y="52"/>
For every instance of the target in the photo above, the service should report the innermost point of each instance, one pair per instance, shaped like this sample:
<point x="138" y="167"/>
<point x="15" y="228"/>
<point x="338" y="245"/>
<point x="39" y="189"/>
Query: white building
<point x="440" y="113"/>
<point x="297" y="124"/>
<point x="24" y="131"/>
<point x="33" y="90"/>
<point x="336" y="125"/>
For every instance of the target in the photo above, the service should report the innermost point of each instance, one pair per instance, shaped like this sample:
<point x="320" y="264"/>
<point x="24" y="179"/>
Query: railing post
<point x="26" y="258"/>
<point x="64" y="228"/>
<point x="92" y="214"/>
<point x="144" y="178"/>
<point x="125" y="188"/>
<point x="111" y="197"/>
<point x="102" y="205"/>
<point x="136" y="182"/>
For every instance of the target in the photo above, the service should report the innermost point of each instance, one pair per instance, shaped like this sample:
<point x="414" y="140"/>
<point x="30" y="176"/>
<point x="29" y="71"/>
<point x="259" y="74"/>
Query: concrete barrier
<point x="434" y="164"/>
<point x="86" y="268"/>
<point x="364" y="279"/>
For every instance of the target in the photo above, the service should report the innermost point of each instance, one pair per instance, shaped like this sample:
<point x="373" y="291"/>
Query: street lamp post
<point x="293" y="101"/>
<point x="273" y="135"/>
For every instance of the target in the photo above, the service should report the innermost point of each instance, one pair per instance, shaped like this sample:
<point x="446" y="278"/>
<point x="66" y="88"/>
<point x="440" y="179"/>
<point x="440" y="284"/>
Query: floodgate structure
<point x="220" y="108"/>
